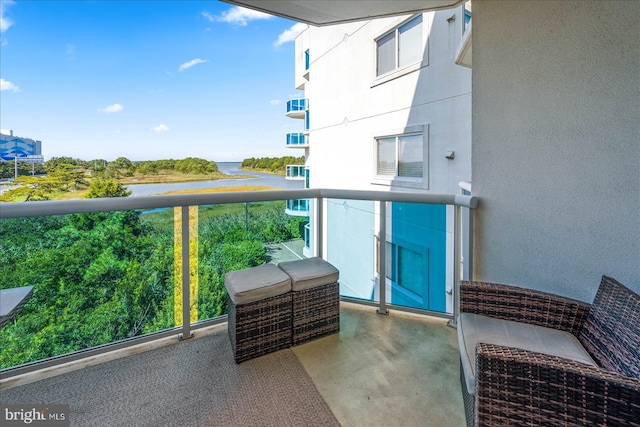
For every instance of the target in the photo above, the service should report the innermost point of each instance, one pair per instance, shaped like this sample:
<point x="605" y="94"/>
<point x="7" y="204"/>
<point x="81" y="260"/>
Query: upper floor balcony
<point x="297" y="140"/>
<point x="297" y="107"/>
<point x="296" y="172"/>
<point x="298" y="207"/>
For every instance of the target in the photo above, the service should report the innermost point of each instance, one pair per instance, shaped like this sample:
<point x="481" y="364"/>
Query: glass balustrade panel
<point x="351" y="246"/>
<point x="237" y="236"/>
<point x="97" y="278"/>
<point x="417" y="256"/>
<point x="418" y="251"/>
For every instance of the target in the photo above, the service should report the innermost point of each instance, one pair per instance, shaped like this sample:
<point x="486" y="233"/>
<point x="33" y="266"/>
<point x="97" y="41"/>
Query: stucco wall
<point x="556" y="143"/>
<point x="349" y="106"/>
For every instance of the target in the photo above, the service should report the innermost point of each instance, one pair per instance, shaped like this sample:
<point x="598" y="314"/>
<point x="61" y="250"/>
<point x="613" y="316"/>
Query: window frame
<point x="403" y="181"/>
<point x="398" y="70"/>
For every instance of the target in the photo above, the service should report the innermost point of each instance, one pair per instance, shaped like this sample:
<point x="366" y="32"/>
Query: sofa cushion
<point x="475" y="328"/>
<point x="256" y="283"/>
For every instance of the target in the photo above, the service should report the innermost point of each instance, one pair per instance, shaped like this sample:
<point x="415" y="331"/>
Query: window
<point x="400" y="156"/>
<point x="306" y="59"/>
<point x="400" y="47"/>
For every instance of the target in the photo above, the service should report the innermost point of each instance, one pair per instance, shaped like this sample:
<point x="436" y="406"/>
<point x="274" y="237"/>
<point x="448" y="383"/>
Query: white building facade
<point x="386" y="108"/>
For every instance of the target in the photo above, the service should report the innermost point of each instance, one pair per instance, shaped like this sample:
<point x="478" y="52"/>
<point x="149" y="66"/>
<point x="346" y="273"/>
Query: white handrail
<point x="63" y="207"/>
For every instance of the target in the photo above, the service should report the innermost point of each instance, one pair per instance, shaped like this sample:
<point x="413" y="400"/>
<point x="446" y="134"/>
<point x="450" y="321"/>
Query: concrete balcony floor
<point x="395" y="370"/>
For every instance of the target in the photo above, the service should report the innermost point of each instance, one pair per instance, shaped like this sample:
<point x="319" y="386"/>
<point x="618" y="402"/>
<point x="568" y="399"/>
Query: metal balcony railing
<point x="298" y="207"/>
<point x="181" y="227"/>
<point x="297" y="140"/>
<point x="295" y="172"/>
<point x="297" y="107"/>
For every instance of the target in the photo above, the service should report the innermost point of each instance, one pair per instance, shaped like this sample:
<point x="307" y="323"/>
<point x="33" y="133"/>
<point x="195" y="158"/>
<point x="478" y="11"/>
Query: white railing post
<point x="467" y="244"/>
<point x="457" y="243"/>
<point x="320" y="228"/>
<point x="186" y="276"/>
<point x="382" y="258"/>
<point x="462" y="255"/>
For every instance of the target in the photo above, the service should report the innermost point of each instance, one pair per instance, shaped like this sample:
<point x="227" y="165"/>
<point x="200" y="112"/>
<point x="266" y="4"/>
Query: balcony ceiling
<point x="329" y="12"/>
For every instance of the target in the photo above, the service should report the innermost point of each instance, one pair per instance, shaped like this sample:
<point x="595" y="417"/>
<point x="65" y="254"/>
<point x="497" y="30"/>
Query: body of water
<point x="230" y="168"/>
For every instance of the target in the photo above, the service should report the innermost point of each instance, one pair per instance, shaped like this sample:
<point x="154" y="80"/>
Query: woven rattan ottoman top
<point x="256" y="283"/>
<point x="309" y="273"/>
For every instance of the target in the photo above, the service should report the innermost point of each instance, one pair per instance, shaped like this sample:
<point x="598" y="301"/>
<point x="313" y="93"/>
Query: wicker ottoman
<point x="259" y="311"/>
<point x="316" y="298"/>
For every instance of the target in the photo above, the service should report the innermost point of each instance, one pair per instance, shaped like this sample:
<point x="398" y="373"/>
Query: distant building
<point x="26" y="150"/>
<point x="385" y="108"/>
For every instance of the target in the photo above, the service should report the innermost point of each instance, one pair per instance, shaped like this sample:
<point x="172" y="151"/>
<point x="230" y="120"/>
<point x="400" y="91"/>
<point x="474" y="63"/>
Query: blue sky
<point x="147" y="79"/>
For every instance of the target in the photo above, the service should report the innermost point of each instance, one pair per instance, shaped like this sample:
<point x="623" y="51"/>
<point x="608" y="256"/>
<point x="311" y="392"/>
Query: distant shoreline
<point x="169" y="178"/>
<point x="260" y="171"/>
<point x="176" y="178"/>
<point x="222" y="190"/>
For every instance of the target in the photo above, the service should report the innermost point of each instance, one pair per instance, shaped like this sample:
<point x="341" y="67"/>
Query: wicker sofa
<point x="515" y="386"/>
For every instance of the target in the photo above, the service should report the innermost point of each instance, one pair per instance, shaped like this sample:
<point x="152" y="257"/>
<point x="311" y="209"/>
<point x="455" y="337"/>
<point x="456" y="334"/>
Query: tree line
<point x="7" y="169"/>
<point x="117" y="168"/>
<point x="123" y="167"/>
<point x="272" y="164"/>
<point x="100" y="177"/>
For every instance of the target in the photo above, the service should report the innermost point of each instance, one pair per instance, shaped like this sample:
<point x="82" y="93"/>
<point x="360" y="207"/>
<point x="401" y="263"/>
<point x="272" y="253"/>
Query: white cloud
<point x="114" y="108"/>
<point x="5" y="22"/>
<point x="290" y="34"/>
<point x="71" y="49"/>
<point x="190" y="64"/>
<point x="209" y="17"/>
<point x="239" y="16"/>
<point x="274" y="102"/>
<point x="7" y="85"/>
<point x="160" y="128"/>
